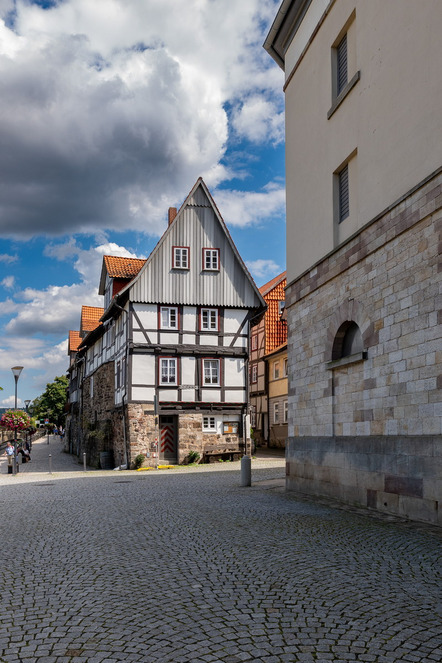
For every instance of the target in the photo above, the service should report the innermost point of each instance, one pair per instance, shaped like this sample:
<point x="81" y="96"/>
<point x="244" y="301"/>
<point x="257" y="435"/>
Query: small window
<point x="341" y="65"/>
<point x="276" y="413"/>
<point x="209" y="319"/>
<point x="209" y="424"/>
<point x="255" y="342"/>
<point x="254" y="373"/>
<point x="281" y="305"/>
<point x="91" y="387"/>
<point x="168" y="317"/>
<point x="168" y="371"/>
<point x="286" y="411"/>
<point x="211" y="372"/>
<point x="276" y="370"/>
<point x="286" y="367"/>
<point x="211" y="259"/>
<point x="118" y="375"/>
<point x="344" y="194"/>
<point x="348" y="341"/>
<point x="180" y="257"/>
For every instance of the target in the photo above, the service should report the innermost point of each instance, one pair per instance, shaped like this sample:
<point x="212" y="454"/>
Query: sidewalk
<point x="39" y="465"/>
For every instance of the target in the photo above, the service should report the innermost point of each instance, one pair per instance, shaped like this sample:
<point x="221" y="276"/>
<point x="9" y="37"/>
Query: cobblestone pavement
<point x="187" y="566"/>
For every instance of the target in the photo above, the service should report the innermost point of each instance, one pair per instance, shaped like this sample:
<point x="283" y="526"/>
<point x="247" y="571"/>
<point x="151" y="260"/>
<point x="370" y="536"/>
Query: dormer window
<point x="211" y="259"/>
<point x="180" y="257"/>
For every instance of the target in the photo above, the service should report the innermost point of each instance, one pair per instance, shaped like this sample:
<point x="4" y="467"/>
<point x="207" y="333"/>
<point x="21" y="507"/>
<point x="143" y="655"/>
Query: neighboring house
<point x="168" y="361"/>
<point x="277" y="371"/>
<point x="363" y="93"/>
<point x="267" y="333"/>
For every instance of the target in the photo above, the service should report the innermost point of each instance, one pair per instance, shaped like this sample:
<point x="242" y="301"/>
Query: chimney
<point x="172" y="214"/>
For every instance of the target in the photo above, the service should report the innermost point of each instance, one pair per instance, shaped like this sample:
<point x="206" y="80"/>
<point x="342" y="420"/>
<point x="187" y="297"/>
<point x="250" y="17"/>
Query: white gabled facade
<point x="174" y="339"/>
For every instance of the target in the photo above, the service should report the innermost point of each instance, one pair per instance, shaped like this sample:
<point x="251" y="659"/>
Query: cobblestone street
<point x="186" y="566"/>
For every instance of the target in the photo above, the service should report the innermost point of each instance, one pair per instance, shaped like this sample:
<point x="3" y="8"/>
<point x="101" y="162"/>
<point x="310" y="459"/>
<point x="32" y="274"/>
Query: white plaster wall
<point x="234" y="375"/>
<point x="143" y="369"/>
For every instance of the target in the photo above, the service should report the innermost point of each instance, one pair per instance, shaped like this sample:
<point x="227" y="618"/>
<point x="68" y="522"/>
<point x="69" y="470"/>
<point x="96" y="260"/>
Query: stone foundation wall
<point x="142" y="434"/>
<point x="400" y="475"/>
<point x="96" y="419"/>
<point x="387" y="280"/>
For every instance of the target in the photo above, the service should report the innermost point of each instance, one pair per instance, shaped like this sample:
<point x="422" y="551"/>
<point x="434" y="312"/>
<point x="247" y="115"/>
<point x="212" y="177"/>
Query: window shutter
<point x="344" y="199"/>
<point x="342" y="63"/>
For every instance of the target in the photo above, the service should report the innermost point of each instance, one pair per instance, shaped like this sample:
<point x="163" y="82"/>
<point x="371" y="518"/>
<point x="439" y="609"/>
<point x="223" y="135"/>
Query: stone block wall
<point x="386" y="279"/>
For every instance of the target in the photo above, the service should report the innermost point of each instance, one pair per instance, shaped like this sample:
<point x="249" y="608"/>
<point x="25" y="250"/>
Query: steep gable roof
<point x="90" y="318"/>
<point x="74" y="341"/>
<point x="267" y="287"/>
<point x="119" y="268"/>
<point x="198" y="225"/>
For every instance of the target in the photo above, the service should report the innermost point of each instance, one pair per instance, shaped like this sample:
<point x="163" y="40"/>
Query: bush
<point x="193" y="457"/>
<point x="138" y="461"/>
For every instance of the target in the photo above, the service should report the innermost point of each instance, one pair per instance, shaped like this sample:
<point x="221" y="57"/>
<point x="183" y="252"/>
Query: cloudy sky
<point x="109" y="112"/>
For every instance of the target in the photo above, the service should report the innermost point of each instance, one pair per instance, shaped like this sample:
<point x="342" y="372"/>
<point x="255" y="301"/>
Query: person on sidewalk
<point x="9" y="452"/>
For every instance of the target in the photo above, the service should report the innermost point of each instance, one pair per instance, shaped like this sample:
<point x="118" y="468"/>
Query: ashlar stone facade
<point x="368" y="428"/>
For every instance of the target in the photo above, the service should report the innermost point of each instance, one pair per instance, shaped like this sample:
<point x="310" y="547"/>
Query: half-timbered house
<point x="165" y="371"/>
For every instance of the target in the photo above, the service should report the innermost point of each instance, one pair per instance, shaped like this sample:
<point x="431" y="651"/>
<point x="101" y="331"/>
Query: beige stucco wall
<point x="394" y="137"/>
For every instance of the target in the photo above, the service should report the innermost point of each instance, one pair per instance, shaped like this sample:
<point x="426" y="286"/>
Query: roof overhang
<point x="284" y="27"/>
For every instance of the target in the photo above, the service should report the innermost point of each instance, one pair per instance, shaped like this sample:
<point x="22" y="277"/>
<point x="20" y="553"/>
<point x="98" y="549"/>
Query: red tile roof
<point x="74" y="340"/>
<point x="275" y="327"/>
<point x="267" y="287"/>
<point x="90" y="317"/>
<point x="123" y="268"/>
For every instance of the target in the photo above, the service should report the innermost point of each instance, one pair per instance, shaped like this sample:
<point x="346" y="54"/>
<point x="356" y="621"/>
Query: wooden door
<point x="168" y="439"/>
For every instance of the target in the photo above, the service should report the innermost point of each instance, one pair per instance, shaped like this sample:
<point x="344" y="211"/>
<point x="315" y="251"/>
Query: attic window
<point x="211" y="259"/>
<point x="180" y="257"/>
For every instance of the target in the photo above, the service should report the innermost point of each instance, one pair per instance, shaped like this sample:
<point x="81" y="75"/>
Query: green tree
<point x="52" y="402"/>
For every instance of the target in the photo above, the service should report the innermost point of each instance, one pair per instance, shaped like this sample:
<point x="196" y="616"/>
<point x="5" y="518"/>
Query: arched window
<point x="348" y="340"/>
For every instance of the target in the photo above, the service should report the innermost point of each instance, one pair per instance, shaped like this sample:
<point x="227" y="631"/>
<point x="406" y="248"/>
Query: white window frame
<point x="254" y="373"/>
<point x="254" y="341"/>
<point x="276" y="370"/>
<point x="276" y="413"/>
<point x="168" y="368"/>
<point x="285" y="369"/>
<point x="209" y="319"/>
<point x="211" y="260"/>
<point x="168" y="317"/>
<point x="211" y="372"/>
<point x="209" y="424"/>
<point x="180" y="259"/>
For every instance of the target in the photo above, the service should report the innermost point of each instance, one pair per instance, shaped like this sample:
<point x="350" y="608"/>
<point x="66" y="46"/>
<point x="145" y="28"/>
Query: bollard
<point x="50" y="463"/>
<point x="246" y="471"/>
<point x="84" y="461"/>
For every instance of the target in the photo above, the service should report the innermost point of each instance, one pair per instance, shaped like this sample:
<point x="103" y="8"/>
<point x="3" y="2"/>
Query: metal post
<point x="14" y="461"/>
<point x="84" y="460"/>
<point x="246" y="471"/>
<point x="50" y="463"/>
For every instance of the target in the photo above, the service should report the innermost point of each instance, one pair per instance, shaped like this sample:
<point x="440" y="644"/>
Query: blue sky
<point x="109" y="112"/>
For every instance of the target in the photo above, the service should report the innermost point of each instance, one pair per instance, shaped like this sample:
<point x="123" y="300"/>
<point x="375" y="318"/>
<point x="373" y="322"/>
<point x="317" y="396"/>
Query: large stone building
<point x="163" y="371"/>
<point x="363" y="86"/>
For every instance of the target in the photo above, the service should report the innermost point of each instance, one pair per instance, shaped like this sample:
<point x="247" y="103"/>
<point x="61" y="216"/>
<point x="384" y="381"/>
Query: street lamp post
<point x="27" y="402"/>
<point x="16" y="370"/>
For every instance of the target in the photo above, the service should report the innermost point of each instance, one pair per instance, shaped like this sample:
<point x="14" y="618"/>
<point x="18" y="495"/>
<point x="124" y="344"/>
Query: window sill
<point x="338" y="101"/>
<point x="347" y="361"/>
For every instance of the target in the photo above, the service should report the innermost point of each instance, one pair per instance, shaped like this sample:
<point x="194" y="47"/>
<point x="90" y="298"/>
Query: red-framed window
<point x="209" y="318"/>
<point x="180" y="257"/>
<point x="168" y="317"/>
<point x="211" y="259"/>
<point x="211" y="372"/>
<point x="168" y="371"/>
